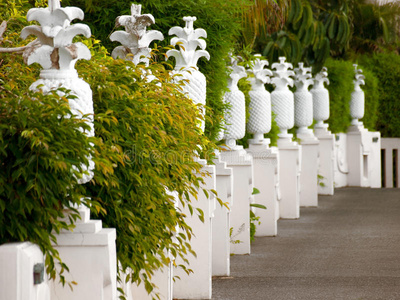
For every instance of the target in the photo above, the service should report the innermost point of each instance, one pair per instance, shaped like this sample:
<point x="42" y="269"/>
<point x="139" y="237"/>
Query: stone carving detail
<point x="357" y="98"/>
<point x="57" y="55"/>
<point x="303" y="101"/>
<point x="282" y="98"/>
<point x="260" y="100"/>
<point x="188" y="39"/>
<point x="235" y="117"/>
<point x="320" y="98"/>
<point x="135" y="39"/>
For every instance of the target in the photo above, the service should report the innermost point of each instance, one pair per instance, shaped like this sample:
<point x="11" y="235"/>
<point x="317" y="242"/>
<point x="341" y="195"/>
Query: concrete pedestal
<point x="242" y="167"/>
<point x="309" y="169"/>
<point x="89" y="252"/>
<point x="266" y="180"/>
<point x="289" y="178"/>
<point x="364" y="157"/>
<point x="197" y="285"/>
<point x="221" y="246"/>
<point x="326" y="160"/>
<point x="17" y="263"/>
<point x="341" y="168"/>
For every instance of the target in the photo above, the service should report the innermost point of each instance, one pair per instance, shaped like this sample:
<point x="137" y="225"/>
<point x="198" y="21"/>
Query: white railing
<point x="391" y="166"/>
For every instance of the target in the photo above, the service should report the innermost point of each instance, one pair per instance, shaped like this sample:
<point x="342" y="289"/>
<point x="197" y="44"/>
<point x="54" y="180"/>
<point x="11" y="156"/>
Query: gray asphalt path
<point x="347" y="248"/>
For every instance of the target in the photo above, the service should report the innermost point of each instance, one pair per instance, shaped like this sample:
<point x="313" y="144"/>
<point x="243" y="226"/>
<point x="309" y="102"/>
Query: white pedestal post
<point x="364" y="159"/>
<point x="197" y="285"/>
<point x="326" y="160"/>
<point x="289" y="178"/>
<point x="309" y="169"/>
<point x="89" y="252"/>
<point x="221" y="246"/>
<point x="266" y="180"/>
<point x="19" y="262"/>
<point x="242" y="167"/>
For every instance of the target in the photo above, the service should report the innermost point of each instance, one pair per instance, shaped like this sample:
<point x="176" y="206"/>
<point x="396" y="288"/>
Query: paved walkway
<point x="347" y="248"/>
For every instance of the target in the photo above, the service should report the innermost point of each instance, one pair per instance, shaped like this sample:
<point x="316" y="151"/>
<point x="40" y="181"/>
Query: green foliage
<point x="341" y="76"/>
<point x="386" y="67"/>
<point x="254" y="220"/>
<point x="219" y="18"/>
<point x="150" y="139"/>
<point x="42" y="152"/>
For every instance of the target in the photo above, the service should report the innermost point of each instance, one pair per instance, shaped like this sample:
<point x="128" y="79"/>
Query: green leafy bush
<point x="386" y="67"/>
<point x="219" y="18"/>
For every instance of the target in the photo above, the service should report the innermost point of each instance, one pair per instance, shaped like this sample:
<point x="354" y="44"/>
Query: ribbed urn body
<point x="235" y="117"/>
<point x="260" y="111"/>
<point x="320" y="98"/>
<point x="357" y="104"/>
<point x="303" y="108"/>
<point x="282" y="102"/>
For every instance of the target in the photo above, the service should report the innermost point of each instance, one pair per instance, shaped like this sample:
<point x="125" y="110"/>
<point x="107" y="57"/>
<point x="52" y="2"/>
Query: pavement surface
<point x="347" y="248"/>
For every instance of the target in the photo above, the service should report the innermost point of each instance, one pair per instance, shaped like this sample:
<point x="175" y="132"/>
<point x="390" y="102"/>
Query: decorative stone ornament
<point x="57" y="55"/>
<point x="260" y="100"/>
<point x="135" y="39"/>
<point x="320" y="99"/>
<point x="235" y="117"/>
<point x="282" y="98"/>
<point x="188" y="39"/>
<point x="357" y="98"/>
<point x="303" y="101"/>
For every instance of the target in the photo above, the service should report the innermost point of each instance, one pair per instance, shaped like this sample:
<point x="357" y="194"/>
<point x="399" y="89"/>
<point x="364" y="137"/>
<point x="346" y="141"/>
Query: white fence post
<point x="390" y="145"/>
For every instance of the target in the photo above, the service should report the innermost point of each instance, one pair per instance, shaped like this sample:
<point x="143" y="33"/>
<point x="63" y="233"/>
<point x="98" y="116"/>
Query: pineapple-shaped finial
<point x="135" y="39"/>
<point x="235" y="117"/>
<point x="56" y="52"/>
<point x="303" y="105"/>
<point x="320" y="98"/>
<point x="57" y="55"/>
<point x="282" y="98"/>
<point x="357" y="98"/>
<point x="188" y="40"/>
<point x="260" y="100"/>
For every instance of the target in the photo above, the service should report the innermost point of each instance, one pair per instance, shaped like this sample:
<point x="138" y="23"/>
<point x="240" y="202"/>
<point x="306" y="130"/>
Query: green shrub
<point x="219" y="18"/>
<point x="386" y="67"/>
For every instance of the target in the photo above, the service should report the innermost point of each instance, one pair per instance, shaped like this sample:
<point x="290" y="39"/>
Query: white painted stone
<point x="221" y="246"/>
<point x="289" y="178"/>
<point x="242" y="166"/>
<point x="135" y="39"/>
<point x="364" y="157"/>
<point x="309" y="169"/>
<point x="320" y="98"/>
<point x="17" y="261"/>
<point x="389" y="145"/>
<point x="266" y="180"/>
<point x="357" y="98"/>
<point x="303" y="101"/>
<point x="198" y="285"/>
<point x="326" y="160"/>
<point x="341" y="168"/>
<point x="188" y="39"/>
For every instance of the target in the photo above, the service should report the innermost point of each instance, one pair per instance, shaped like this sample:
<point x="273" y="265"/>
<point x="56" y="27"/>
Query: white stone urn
<point x="357" y="98"/>
<point x="260" y="100"/>
<point x="303" y="101"/>
<point x="135" y="39"/>
<point x="189" y="39"/>
<point x="320" y="98"/>
<point x="57" y="55"/>
<point x="235" y="116"/>
<point x="282" y="98"/>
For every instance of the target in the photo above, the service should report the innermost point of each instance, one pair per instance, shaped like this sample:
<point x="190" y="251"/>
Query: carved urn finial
<point x="303" y="103"/>
<point x="357" y="98"/>
<point x="282" y="98"/>
<point x="135" y="39"/>
<point x="235" y="116"/>
<point x="56" y="52"/>
<point x="320" y="98"/>
<point x="57" y="55"/>
<point x="260" y="100"/>
<point x="188" y="39"/>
